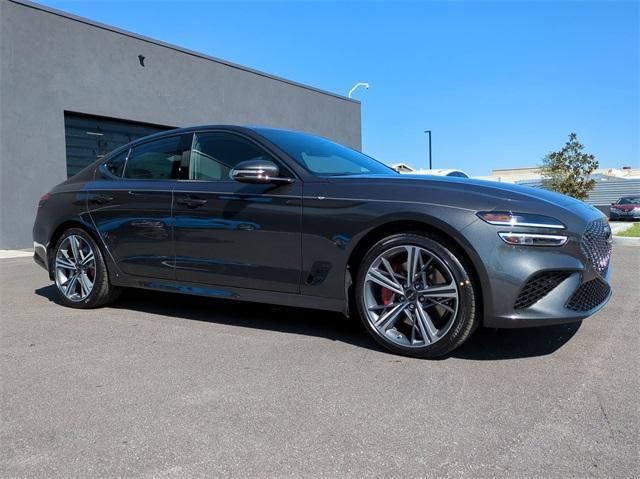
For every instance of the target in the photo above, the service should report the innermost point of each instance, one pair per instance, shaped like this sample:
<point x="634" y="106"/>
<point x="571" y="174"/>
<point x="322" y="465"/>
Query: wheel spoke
<point x="382" y="307"/>
<point x="377" y="277"/>
<point x="73" y="242"/>
<point x="423" y="270"/>
<point x="436" y="302"/>
<point x="70" y="285"/>
<point x="385" y="321"/>
<point x="85" y="284"/>
<point x="62" y="262"/>
<point x="395" y="276"/>
<point x="440" y="291"/>
<point x="88" y="259"/>
<point x="412" y="317"/>
<point x="427" y="329"/>
<point x="413" y="255"/>
<point x="65" y="254"/>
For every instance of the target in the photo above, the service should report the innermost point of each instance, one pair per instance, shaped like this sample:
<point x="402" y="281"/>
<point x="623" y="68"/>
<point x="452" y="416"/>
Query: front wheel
<point x="416" y="296"/>
<point x="80" y="272"/>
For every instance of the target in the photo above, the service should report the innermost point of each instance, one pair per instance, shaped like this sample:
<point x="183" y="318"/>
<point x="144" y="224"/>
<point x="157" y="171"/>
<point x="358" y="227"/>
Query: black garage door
<point x="91" y="137"/>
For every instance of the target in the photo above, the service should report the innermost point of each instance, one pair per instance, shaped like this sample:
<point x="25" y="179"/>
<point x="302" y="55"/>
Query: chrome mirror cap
<point x="257" y="171"/>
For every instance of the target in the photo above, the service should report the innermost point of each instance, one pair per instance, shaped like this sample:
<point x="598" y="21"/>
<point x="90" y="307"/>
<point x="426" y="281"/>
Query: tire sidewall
<point x="464" y="321"/>
<point x="93" y="298"/>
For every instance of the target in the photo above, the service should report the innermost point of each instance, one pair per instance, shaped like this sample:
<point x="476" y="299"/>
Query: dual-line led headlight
<point x="529" y="239"/>
<point x="525" y="220"/>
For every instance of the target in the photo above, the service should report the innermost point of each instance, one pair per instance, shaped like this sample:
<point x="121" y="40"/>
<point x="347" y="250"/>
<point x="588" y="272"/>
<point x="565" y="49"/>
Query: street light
<point x="355" y="87"/>
<point x="430" y="165"/>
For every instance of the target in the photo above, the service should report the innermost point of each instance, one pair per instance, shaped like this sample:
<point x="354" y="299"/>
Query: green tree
<point x="568" y="171"/>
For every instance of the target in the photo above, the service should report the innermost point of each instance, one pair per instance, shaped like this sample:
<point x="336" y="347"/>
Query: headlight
<point x="507" y="218"/>
<point x="530" y="239"/>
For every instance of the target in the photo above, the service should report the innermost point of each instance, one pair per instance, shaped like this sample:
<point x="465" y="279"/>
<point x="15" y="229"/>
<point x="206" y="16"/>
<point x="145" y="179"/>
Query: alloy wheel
<point x="410" y="296"/>
<point x="75" y="268"/>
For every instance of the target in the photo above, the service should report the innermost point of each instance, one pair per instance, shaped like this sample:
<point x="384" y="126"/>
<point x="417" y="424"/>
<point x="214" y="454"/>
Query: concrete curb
<point x="15" y="253"/>
<point x="626" y="241"/>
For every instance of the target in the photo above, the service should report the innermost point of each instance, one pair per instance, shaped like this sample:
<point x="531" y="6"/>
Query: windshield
<point x="629" y="200"/>
<point x="324" y="157"/>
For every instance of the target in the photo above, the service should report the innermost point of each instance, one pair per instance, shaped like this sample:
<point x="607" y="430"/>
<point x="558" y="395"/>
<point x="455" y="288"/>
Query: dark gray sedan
<point x="287" y="218"/>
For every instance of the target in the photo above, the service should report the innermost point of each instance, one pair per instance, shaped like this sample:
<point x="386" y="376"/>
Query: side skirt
<point x="240" y="294"/>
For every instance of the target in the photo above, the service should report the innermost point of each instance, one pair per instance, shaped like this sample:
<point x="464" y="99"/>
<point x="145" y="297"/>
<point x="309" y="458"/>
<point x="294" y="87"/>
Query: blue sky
<point x="500" y="84"/>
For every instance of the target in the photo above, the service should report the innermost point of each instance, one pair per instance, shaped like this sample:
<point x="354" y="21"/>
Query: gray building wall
<point x="52" y="62"/>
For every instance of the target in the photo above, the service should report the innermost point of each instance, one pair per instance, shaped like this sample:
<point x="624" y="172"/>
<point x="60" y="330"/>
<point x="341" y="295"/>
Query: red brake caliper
<point x="387" y="294"/>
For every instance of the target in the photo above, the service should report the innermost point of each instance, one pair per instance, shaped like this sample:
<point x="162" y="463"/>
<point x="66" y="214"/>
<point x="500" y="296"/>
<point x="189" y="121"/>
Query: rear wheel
<point x="80" y="272"/>
<point x="415" y="296"/>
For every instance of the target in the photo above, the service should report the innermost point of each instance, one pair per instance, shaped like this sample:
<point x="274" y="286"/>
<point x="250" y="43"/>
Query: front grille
<point x="589" y="295"/>
<point x="538" y="287"/>
<point x="596" y="244"/>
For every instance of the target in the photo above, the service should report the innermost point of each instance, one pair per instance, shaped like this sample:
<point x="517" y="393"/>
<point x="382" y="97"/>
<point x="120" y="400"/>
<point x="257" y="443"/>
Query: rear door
<point x="130" y="204"/>
<point x="236" y="234"/>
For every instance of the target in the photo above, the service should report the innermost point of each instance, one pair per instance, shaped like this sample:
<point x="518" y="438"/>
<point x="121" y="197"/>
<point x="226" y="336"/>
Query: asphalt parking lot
<point x="172" y="386"/>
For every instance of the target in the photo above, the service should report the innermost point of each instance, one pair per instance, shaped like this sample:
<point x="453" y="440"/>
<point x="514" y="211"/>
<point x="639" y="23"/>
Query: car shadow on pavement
<point x="489" y="344"/>
<point x="485" y="344"/>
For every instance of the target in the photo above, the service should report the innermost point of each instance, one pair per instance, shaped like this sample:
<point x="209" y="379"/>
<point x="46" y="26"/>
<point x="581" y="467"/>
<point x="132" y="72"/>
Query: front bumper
<point x="538" y="286"/>
<point x="555" y="307"/>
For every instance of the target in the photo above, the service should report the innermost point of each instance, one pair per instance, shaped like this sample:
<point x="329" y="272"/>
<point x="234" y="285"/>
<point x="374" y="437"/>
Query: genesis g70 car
<point x="287" y="218"/>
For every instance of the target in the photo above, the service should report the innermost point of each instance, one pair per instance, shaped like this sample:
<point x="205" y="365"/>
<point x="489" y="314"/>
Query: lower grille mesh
<point x="538" y="287"/>
<point x="589" y="295"/>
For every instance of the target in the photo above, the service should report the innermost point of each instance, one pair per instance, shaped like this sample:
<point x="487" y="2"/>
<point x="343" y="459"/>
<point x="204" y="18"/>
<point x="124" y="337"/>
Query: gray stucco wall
<point x="51" y="62"/>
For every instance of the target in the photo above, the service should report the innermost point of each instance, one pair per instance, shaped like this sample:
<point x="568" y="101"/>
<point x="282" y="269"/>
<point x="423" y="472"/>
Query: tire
<point x="427" y="317"/>
<point x="77" y="243"/>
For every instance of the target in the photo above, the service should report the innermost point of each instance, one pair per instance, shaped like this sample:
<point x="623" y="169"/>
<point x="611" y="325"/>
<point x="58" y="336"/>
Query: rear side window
<point x="214" y="155"/>
<point x="155" y="160"/>
<point x="115" y="165"/>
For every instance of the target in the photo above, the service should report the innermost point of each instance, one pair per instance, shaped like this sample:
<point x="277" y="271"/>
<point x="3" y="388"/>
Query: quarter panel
<point x="66" y="203"/>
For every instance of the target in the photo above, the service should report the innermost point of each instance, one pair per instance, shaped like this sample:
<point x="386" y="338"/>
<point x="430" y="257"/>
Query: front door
<point x="130" y="204"/>
<point x="235" y="234"/>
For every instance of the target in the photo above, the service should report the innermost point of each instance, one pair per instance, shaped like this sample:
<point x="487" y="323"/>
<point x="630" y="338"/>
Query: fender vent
<point x="538" y="286"/>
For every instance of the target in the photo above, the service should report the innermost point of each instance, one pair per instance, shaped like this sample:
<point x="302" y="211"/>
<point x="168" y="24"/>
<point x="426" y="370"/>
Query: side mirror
<point x="257" y="171"/>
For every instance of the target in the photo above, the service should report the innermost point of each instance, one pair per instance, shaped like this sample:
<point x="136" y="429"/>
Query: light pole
<point x="430" y="165"/>
<point x="355" y="87"/>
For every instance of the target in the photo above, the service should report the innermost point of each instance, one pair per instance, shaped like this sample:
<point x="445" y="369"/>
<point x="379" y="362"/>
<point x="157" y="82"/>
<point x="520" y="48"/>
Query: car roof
<point x="191" y="129"/>
<point x="257" y="129"/>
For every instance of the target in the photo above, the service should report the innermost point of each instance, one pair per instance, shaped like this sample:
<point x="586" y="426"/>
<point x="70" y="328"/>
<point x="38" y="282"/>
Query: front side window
<point x="115" y="165"/>
<point x="324" y="157"/>
<point x="155" y="160"/>
<point x="214" y="155"/>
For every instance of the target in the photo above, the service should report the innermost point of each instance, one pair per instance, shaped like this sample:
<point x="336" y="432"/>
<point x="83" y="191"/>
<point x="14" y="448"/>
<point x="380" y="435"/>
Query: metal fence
<point x="606" y="191"/>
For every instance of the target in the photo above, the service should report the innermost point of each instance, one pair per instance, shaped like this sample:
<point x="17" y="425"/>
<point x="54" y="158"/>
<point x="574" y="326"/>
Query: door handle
<point x="191" y="202"/>
<point x="148" y="224"/>
<point x="100" y="199"/>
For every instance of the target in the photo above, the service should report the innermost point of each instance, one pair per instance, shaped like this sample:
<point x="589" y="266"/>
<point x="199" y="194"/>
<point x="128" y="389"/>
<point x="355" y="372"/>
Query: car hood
<point x="475" y="194"/>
